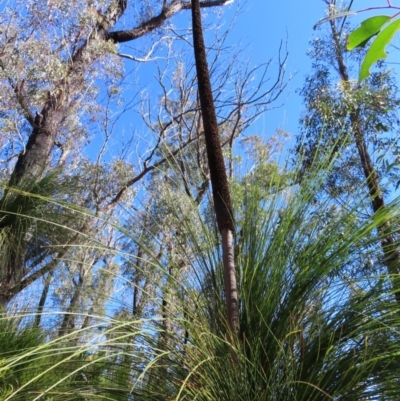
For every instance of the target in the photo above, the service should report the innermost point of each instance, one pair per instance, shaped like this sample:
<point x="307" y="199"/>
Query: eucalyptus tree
<point x="360" y="120"/>
<point x="56" y="59"/>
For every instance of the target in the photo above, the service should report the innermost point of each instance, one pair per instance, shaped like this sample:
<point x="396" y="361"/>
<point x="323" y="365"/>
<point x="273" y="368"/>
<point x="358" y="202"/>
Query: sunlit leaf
<point x="377" y="49"/>
<point x="366" y="31"/>
<point x="334" y="16"/>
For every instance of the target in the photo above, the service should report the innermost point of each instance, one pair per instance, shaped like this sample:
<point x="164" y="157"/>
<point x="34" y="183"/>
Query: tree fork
<point x="219" y="180"/>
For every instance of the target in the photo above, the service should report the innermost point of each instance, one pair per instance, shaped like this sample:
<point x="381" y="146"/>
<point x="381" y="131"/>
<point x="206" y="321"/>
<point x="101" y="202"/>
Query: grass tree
<point x="305" y="332"/>
<point x="216" y="163"/>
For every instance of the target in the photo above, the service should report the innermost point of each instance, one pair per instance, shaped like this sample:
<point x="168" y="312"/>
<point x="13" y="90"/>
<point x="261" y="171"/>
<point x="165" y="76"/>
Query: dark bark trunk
<point x="135" y="300"/>
<point x="219" y="181"/>
<point x="42" y="300"/>
<point x="388" y="242"/>
<point x="68" y="322"/>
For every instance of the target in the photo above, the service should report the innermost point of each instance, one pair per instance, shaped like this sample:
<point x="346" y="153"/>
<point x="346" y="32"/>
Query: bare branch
<point x="167" y="12"/>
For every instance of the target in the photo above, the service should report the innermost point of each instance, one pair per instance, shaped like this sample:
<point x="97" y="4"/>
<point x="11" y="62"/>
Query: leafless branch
<point x="167" y="12"/>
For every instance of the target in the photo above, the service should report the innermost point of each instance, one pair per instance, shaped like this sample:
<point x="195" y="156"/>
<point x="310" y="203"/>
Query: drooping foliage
<point x="305" y="332"/>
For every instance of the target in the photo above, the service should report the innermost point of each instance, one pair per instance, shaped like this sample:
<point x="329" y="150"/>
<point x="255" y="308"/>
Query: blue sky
<point x="261" y="26"/>
<point x="264" y="23"/>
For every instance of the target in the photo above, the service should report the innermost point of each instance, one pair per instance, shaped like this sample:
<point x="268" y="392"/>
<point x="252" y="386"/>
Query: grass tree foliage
<point x="305" y="332"/>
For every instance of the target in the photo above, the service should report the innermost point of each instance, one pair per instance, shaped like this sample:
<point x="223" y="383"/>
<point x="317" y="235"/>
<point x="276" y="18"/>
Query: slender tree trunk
<point x="88" y="319"/>
<point x="43" y="298"/>
<point x="139" y="257"/>
<point x="219" y="181"/>
<point x="388" y="242"/>
<point x="68" y="323"/>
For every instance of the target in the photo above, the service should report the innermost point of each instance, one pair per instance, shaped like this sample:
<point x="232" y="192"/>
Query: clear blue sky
<point x="264" y="23"/>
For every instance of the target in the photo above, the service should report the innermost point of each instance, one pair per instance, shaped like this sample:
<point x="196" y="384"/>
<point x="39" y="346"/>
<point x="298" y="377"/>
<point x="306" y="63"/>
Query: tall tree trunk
<point x="219" y="181"/>
<point x="32" y="163"/>
<point x="43" y="298"/>
<point x="68" y="323"/>
<point x="388" y="242"/>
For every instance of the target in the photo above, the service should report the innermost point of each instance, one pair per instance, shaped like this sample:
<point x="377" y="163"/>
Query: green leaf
<point x="364" y="33"/>
<point x="377" y="49"/>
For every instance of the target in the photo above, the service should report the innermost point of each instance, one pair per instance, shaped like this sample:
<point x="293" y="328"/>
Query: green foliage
<point x="143" y="317"/>
<point x="326" y="122"/>
<point x="306" y="332"/>
<point x="368" y="29"/>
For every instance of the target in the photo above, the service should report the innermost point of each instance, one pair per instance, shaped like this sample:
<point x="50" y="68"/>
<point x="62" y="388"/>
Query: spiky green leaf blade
<point x="377" y="49"/>
<point x="368" y="28"/>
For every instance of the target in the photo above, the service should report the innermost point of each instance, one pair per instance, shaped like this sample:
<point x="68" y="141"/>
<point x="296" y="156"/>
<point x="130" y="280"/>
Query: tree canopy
<point x="155" y="246"/>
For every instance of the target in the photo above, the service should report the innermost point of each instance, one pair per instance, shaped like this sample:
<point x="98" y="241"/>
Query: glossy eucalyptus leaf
<point x="370" y="27"/>
<point x="377" y="50"/>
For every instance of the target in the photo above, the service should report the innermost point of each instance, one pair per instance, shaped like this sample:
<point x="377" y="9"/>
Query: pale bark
<point x="231" y="291"/>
